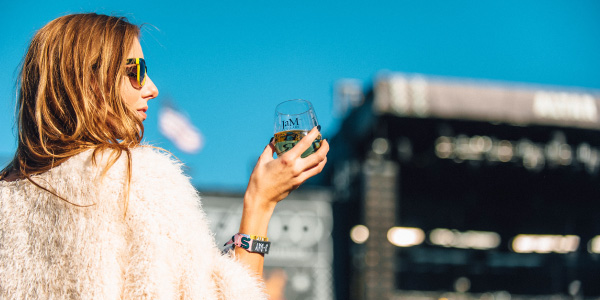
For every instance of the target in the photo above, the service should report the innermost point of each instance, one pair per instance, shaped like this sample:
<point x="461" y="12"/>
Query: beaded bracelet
<point x="252" y="243"/>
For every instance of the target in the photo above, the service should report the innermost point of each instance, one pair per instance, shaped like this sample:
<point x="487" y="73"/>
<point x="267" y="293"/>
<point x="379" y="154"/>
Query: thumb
<point x="268" y="152"/>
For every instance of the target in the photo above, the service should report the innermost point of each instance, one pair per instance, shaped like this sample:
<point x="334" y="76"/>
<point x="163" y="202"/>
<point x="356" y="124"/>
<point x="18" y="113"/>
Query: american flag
<point x="176" y="127"/>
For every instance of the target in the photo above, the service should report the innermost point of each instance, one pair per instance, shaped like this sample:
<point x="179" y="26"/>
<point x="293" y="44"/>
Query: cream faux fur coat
<point x="158" y="246"/>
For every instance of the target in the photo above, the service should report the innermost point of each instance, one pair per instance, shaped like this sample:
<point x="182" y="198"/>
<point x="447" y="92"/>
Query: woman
<point x="88" y="212"/>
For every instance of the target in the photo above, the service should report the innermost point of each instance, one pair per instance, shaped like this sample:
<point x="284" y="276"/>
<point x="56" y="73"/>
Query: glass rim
<point x="310" y="107"/>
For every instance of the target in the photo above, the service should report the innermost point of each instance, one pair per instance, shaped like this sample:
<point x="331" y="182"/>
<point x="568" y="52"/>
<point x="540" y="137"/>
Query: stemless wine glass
<point x="293" y="120"/>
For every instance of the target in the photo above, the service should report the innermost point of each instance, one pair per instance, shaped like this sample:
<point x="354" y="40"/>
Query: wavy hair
<point x="69" y="98"/>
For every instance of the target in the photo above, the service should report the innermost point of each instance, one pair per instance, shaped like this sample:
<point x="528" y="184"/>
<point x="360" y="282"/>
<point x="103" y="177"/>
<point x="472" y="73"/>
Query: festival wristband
<point x="251" y="243"/>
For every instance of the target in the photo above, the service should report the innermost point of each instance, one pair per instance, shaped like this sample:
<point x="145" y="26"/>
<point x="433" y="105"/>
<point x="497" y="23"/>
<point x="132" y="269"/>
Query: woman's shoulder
<point x="144" y="158"/>
<point x="146" y="162"/>
<point x="143" y="155"/>
<point x="150" y="157"/>
<point x="151" y="164"/>
<point x="158" y="155"/>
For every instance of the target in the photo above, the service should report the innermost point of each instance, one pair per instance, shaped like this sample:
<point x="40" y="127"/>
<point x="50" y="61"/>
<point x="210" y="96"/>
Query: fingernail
<point x="271" y="140"/>
<point x="319" y="128"/>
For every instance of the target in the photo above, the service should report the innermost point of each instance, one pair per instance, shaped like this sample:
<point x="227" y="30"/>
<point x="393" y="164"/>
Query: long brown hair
<point x="69" y="97"/>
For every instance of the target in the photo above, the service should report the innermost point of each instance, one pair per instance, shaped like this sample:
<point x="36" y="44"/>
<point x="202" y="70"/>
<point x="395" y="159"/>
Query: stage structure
<point x="299" y="264"/>
<point x="464" y="189"/>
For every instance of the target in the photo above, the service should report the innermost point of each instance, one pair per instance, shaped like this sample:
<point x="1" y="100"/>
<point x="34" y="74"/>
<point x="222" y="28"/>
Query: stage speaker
<point x="299" y="264"/>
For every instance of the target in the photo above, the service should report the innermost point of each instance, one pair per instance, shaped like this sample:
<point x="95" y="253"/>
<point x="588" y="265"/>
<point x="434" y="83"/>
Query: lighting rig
<point x="446" y="188"/>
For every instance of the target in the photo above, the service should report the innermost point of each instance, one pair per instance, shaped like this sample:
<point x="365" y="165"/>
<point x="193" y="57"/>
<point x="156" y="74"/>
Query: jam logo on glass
<point x="293" y="120"/>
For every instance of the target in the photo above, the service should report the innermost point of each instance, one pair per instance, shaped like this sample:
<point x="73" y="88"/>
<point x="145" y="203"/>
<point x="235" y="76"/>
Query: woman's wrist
<point x="256" y="204"/>
<point x="255" y="217"/>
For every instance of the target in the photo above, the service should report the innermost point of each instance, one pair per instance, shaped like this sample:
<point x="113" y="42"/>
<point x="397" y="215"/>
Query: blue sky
<point x="227" y="64"/>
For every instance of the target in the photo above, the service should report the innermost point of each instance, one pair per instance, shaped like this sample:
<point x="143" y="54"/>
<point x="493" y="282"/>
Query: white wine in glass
<point x="293" y="120"/>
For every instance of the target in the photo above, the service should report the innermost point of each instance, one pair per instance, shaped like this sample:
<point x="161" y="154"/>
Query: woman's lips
<point x="142" y="113"/>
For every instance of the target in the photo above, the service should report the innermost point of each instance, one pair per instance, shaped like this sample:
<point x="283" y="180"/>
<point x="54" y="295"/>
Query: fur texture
<point x="159" y="247"/>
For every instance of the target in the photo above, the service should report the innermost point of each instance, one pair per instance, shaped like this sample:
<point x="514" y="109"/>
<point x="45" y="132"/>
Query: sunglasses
<point x="137" y="73"/>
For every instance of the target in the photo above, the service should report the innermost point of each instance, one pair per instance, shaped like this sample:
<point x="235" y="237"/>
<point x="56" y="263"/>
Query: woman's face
<point x="137" y="98"/>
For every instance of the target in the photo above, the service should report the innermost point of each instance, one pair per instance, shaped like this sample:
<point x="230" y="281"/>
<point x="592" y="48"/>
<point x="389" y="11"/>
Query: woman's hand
<point x="273" y="179"/>
<point x="270" y="182"/>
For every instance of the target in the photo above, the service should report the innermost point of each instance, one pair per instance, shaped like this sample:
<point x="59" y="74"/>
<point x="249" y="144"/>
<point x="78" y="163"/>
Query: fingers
<point x="268" y="152"/>
<point x="304" y="143"/>
<point x="314" y="164"/>
<point x="317" y="157"/>
<point x="311" y="172"/>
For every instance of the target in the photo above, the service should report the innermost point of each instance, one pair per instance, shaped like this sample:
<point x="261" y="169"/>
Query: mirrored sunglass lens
<point x="132" y="73"/>
<point x="137" y="73"/>
<point x="142" y="73"/>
